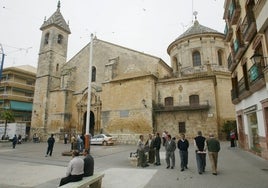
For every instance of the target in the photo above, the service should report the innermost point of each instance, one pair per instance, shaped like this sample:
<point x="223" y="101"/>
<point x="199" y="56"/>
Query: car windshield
<point x="108" y="135"/>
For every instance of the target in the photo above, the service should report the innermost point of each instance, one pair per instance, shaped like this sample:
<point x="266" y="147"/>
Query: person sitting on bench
<point x="88" y="164"/>
<point x="75" y="169"/>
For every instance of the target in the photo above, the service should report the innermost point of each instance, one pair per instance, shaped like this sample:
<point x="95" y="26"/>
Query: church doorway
<point x="91" y="123"/>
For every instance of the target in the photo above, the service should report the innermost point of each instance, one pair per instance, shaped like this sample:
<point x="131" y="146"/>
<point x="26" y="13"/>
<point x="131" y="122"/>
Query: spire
<point x="56" y="20"/>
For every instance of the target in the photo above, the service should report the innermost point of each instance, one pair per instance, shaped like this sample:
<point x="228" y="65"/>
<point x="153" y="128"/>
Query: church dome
<point x="195" y="30"/>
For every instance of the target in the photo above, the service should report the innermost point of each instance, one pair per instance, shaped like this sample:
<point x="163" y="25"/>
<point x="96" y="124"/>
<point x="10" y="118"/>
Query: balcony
<point x="256" y="78"/>
<point x="234" y="12"/>
<point x="234" y="94"/>
<point x="249" y="27"/>
<point x="182" y="107"/>
<point x="17" y="85"/>
<point x="231" y="63"/>
<point x="238" y="48"/>
<point x="16" y="97"/>
<point x="254" y="83"/>
<point x="241" y="85"/>
<point x="228" y="32"/>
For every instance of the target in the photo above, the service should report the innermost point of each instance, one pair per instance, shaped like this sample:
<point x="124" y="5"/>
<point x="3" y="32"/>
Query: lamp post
<point x="87" y="136"/>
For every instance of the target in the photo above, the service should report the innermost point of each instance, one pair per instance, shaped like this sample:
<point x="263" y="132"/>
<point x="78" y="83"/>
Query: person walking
<point x="157" y="146"/>
<point x="213" y="146"/>
<point x="50" y="145"/>
<point x="200" y="152"/>
<point x="141" y="152"/>
<point x="65" y="138"/>
<point x="14" y="141"/>
<point x="170" y="146"/>
<point x="75" y="169"/>
<point x="232" y="138"/>
<point x="73" y="143"/>
<point x="183" y="146"/>
<point x="88" y="164"/>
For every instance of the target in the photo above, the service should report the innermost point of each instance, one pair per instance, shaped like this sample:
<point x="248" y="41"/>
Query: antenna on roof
<point x="195" y="15"/>
<point x="58" y="4"/>
<point x="192" y="10"/>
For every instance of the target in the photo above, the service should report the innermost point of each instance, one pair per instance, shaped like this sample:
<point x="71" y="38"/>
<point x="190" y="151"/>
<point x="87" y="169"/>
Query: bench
<point x="91" y="181"/>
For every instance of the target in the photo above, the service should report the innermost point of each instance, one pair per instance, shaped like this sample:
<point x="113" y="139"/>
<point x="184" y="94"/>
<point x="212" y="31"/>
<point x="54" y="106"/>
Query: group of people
<point x="78" y="167"/>
<point x="152" y="147"/>
<point x="148" y="152"/>
<point x="77" y="142"/>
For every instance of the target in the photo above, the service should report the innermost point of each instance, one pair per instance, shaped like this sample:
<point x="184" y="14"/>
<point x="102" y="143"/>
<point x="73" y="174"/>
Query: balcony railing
<point x="241" y="85"/>
<point x="16" y="97"/>
<point x="234" y="12"/>
<point x="182" y="107"/>
<point x="255" y="81"/>
<point x="248" y="26"/>
<point x="17" y="85"/>
<point x="255" y="73"/>
<point x="228" y="32"/>
<point x="234" y="93"/>
<point x="238" y="48"/>
<point x="231" y="62"/>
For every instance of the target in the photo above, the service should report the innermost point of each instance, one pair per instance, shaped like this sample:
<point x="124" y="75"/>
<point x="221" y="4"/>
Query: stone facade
<point x="247" y="34"/>
<point x="132" y="93"/>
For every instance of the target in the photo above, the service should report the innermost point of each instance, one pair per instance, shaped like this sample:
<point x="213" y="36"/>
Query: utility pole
<point x="2" y="60"/>
<point x="87" y="137"/>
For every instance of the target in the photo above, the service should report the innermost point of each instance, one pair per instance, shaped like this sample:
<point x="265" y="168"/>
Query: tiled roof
<point x="58" y="20"/>
<point x="197" y="29"/>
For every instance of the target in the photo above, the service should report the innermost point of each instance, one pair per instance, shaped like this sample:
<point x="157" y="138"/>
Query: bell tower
<point x="52" y="56"/>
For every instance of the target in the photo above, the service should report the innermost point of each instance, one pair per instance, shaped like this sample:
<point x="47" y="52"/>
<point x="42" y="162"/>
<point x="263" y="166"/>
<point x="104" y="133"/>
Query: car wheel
<point x="104" y="143"/>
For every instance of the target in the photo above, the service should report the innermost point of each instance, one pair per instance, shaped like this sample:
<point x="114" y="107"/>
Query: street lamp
<point x="257" y="58"/>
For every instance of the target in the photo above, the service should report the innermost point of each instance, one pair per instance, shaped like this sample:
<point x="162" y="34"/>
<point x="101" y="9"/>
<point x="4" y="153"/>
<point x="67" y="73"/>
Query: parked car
<point x="102" y="139"/>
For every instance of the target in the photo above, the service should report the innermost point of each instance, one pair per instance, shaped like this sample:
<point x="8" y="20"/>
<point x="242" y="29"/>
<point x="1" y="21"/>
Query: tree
<point x="228" y="126"/>
<point x="8" y="116"/>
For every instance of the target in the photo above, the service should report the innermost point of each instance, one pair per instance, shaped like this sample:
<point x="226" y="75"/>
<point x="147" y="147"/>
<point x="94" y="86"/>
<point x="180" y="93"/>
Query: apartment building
<point x="247" y="33"/>
<point x="17" y="91"/>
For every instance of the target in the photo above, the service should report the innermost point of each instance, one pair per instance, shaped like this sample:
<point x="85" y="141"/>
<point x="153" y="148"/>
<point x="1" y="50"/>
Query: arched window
<point x="46" y="38"/>
<point x="194" y="100"/>
<point x="220" y="57"/>
<point x="169" y="101"/>
<point x="93" y="74"/>
<point x="196" y="58"/>
<point x="175" y="64"/>
<point x="60" y="38"/>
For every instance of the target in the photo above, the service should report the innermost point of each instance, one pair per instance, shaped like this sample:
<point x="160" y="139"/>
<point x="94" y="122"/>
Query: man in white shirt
<point x="75" y="169"/>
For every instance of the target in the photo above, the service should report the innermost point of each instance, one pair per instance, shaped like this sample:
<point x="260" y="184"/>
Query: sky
<point x="147" y="26"/>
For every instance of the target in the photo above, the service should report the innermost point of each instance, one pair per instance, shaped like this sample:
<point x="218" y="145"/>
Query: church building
<point x="131" y="92"/>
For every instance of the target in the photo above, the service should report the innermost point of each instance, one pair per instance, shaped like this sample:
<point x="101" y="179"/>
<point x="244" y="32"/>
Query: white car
<point x="102" y="139"/>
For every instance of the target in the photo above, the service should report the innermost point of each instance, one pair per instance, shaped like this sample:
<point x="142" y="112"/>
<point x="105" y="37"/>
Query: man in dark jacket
<point x="14" y="141"/>
<point x="200" y="143"/>
<point x="213" y="148"/>
<point x="88" y="164"/>
<point x="183" y="146"/>
<point x="50" y="143"/>
<point x="157" y="146"/>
